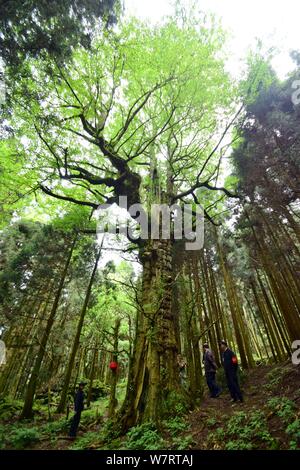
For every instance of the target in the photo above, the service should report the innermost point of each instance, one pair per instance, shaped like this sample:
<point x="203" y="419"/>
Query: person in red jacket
<point x="230" y="364"/>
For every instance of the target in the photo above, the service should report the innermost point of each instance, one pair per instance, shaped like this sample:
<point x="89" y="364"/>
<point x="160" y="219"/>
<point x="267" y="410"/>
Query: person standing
<point x="230" y="364"/>
<point x="210" y="368"/>
<point x="182" y="369"/>
<point x="78" y="407"/>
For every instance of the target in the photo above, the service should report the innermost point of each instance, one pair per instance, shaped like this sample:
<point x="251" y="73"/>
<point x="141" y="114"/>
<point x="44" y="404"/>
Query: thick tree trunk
<point x="153" y="372"/>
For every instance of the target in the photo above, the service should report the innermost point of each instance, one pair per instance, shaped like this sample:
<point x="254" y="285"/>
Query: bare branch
<point x="49" y="192"/>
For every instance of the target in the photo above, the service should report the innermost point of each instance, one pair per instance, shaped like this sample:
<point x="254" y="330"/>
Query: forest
<point x="97" y="108"/>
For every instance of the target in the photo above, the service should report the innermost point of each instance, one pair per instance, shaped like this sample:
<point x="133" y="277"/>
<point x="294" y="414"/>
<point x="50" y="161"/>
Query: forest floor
<point x="269" y="418"/>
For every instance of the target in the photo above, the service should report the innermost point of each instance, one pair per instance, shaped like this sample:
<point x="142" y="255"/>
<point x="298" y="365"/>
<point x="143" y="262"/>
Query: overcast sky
<point x="276" y="22"/>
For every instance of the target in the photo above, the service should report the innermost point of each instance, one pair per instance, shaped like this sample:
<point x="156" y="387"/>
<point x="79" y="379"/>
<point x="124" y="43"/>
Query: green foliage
<point x="259" y="158"/>
<point x="111" y="430"/>
<point x="18" y="436"/>
<point x="231" y="183"/>
<point x="182" y="443"/>
<point x="144" y="437"/>
<point x="293" y="431"/>
<point x="260" y="74"/>
<point x="239" y="444"/>
<point x="244" y="431"/>
<point x="283" y="407"/>
<point x="175" y="425"/>
<point x="248" y="428"/>
<point x="175" y="403"/>
<point x="23" y="437"/>
<point x="56" y="427"/>
<point x="139" y="86"/>
<point x="89" y="440"/>
<point x="211" y="422"/>
<point x="9" y="408"/>
<point x="114" y="444"/>
<point x="2" y="436"/>
<point x="220" y="433"/>
<point x="216" y="438"/>
<point x="28" y="247"/>
<point x="90" y="416"/>
<point x="236" y="422"/>
<point x="32" y="28"/>
<point x="274" y="377"/>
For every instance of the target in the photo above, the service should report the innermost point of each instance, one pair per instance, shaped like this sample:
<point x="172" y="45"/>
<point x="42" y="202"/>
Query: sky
<point x="276" y="22"/>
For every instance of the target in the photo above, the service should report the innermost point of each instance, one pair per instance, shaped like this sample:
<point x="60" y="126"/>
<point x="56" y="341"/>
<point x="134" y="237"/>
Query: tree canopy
<point x="98" y="110"/>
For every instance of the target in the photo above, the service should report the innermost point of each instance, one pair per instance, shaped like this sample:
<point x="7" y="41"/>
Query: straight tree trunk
<point x="29" y="397"/>
<point x="114" y="373"/>
<point x="153" y="372"/>
<point x="92" y="374"/>
<point x="67" y="379"/>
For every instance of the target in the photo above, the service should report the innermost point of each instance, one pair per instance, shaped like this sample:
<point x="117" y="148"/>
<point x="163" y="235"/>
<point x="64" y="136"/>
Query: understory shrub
<point x="293" y="431"/>
<point x="175" y="425"/>
<point x="23" y="437"/>
<point x="144" y="437"/>
<point x="283" y="407"/>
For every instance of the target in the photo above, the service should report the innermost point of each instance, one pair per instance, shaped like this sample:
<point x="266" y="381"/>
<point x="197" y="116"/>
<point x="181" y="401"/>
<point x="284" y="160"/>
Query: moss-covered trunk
<point x="153" y="372"/>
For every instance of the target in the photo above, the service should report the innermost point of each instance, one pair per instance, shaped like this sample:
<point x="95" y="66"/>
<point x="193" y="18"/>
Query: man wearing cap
<point x="230" y="364"/>
<point x="78" y="407"/>
<point x="210" y="368"/>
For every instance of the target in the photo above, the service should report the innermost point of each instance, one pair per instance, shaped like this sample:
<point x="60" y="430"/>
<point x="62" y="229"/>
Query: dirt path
<point x="261" y="384"/>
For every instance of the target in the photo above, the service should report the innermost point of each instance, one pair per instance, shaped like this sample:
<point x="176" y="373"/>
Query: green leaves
<point x="145" y="95"/>
<point x="259" y="74"/>
<point x="231" y="182"/>
<point x="31" y="28"/>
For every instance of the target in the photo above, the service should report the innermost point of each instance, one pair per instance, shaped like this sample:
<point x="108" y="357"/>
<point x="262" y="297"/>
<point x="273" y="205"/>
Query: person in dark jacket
<point x="210" y="368"/>
<point x="78" y="407"/>
<point x="230" y="364"/>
